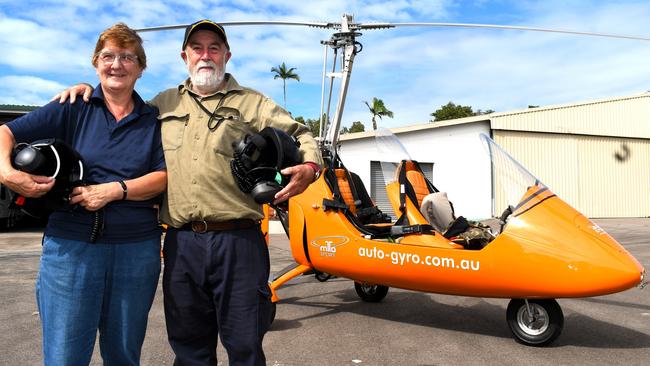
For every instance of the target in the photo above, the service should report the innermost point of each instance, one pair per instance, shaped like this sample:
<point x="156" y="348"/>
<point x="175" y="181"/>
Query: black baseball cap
<point x="205" y="24"/>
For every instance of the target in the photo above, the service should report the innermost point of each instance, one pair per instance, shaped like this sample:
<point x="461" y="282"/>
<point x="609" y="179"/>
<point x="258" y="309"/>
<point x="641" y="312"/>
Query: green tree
<point x="378" y="109"/>
<point x="283" y="73"/>
<point x="312" y="124"/>
<point x="453" y="111"/>
<point x="356" y="127"/>
<point x="480" y="112"/>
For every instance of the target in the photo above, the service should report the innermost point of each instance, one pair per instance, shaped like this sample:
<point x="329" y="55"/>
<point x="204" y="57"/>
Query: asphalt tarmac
<point x="327" y="324"/>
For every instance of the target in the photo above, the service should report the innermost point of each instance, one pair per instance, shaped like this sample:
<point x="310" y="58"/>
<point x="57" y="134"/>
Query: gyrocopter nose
<point x="611" y="268"/>
<point x="644" y="281"/>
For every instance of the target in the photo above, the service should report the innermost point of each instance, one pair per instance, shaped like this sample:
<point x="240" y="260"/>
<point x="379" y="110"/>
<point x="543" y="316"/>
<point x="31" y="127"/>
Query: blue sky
<point x="47" y="46"/>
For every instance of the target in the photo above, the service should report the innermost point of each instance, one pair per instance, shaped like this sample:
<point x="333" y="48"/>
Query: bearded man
<point x="216" y="271"/>
<point x="215" y="279"/>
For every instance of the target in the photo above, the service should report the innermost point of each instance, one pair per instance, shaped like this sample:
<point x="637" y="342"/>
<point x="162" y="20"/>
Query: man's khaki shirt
<point x="200" y="183"/>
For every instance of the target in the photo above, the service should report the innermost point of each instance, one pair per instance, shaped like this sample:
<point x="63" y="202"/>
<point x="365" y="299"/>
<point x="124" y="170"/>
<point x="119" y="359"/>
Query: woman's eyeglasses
<point x="109" y="57"/>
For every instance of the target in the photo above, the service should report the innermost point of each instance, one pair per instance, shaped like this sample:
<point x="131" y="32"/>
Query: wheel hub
<point x="535" y="323"/>
<point x="369" y="289"/>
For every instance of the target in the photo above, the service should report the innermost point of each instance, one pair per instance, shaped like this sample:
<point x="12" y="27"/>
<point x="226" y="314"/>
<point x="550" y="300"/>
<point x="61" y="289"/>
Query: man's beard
<point x="207" y="80"/>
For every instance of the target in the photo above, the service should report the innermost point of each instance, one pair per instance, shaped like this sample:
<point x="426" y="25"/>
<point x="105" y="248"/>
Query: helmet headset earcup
<point x="258" y="160"/>
<point x="51" y="158"/>
<point x="265" y="191"/>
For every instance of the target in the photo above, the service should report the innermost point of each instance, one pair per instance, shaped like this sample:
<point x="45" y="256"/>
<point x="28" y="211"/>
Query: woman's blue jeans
<point x="85" y="287"/>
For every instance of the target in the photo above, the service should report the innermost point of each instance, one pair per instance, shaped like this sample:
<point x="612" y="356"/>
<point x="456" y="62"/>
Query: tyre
<point x="539" y="327"/>
<point x="370" y="293"/>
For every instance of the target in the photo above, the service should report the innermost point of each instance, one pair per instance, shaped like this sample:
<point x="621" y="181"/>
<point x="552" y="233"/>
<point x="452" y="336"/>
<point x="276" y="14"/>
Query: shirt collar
<point x="139" y="106"/>
<point x="231" y="85"/>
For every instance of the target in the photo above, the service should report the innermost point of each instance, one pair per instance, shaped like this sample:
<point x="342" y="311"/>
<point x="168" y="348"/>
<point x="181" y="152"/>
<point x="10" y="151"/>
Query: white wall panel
<point x="460" y="164"/>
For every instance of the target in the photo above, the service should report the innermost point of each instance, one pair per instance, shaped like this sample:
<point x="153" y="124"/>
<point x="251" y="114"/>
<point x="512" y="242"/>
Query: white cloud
<point x="27" y="90"/>
<point x="35" y="48"/>
<point x="414" y="70"/>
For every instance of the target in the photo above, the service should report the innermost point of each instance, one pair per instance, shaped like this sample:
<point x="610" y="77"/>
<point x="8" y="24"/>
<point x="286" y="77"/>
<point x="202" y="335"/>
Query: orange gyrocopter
<point x="335" y="229"/>
<point x="523" y="255"/>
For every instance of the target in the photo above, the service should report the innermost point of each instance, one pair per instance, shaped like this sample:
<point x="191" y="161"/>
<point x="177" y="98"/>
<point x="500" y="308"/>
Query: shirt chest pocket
<point x="232" y="129"/>
<point x="172" y="127"/>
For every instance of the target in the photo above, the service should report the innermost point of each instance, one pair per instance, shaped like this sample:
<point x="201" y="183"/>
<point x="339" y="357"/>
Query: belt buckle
<point x="196" y="225"/>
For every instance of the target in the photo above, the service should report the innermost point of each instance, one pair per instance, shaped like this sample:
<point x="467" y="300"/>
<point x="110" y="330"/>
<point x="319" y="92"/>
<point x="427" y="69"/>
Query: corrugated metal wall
<point x="599" y="176"/>
<point x="597" y="118"/>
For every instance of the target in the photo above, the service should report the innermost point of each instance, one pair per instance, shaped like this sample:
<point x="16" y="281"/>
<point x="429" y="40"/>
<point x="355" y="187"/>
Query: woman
<point x="109" y="284"/>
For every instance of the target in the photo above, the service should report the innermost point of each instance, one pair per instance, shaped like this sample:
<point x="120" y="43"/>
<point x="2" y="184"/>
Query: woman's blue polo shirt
<point x="111" y="152"/>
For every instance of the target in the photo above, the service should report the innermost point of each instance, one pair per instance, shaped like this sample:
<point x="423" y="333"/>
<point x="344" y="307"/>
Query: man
<point x="216" y="282"/>
<point x="216" y="272"/>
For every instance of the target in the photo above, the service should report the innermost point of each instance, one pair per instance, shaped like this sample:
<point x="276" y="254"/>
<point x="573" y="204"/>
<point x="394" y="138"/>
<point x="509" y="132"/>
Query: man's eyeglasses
<point x="109" y="57"/>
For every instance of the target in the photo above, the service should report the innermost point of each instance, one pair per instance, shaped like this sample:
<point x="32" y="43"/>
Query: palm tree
<point x="284" y="74"/>
<point x="378" y="109"/>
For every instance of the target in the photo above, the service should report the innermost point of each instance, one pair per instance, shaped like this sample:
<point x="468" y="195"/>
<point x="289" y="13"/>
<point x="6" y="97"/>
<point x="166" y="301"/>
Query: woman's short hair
<point x="124" y="37"/>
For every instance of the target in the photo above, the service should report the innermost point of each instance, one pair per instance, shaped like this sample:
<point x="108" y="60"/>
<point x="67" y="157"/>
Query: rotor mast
<point x="345" y="40"/>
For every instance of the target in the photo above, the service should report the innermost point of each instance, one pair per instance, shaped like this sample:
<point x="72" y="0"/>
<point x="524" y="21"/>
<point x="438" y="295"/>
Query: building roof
<point x="626" y="116"/>
<point x="14" y="108"/>
<point x="419" y="127"/>
<point x="602" y="117"/>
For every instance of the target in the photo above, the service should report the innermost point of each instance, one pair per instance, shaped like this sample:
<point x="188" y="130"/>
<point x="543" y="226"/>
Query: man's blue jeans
<point x="84" y="287"/>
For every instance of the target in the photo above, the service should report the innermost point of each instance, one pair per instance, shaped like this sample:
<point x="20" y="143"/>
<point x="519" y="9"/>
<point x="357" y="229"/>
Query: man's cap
<point x="205" y="24"/>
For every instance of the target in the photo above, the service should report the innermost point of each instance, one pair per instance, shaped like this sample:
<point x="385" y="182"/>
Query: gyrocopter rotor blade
<point x="507" y="27"/>
<point x="324" y="25"/>
<point x="383" y="25"/>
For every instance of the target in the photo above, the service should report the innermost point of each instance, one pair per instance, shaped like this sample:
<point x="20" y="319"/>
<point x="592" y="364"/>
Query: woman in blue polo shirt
<point x="109" y="284"/>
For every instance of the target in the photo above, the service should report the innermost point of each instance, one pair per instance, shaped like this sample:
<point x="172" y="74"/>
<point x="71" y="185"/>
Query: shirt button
<point x="195" y="157"/>
<point x="196" y="137"/>
<point x="193" y="181"/>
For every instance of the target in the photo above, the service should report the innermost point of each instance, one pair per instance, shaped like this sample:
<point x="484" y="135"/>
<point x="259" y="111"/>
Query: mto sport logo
<point x="327" y="244"/>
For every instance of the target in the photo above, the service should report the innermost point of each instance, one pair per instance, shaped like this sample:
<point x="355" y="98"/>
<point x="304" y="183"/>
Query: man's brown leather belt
<point x="205" y="226"/>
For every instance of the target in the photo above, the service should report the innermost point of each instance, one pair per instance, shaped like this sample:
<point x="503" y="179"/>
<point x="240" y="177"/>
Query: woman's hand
<point x="96" y="196"/>
<point x="27" y="185"/>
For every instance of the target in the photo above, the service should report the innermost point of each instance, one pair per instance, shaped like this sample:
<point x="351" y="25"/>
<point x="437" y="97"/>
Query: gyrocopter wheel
<point x="370" y="293"/>
<point x="536" y="322"/>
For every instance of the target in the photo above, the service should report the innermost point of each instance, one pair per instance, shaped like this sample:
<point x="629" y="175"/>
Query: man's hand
<point x="94" y="197"/>
<point x="28" y="185"/>
<point x="301" y="177"/>
<point x="72" y="92"/>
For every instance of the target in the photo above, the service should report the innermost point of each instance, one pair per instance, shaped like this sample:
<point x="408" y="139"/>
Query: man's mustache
<point x="205" y="64"/>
